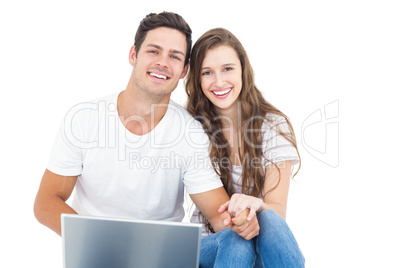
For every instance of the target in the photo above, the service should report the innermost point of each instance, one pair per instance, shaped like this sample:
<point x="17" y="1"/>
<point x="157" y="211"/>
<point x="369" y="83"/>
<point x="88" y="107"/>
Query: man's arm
<point x="51" y="198"/>
<point x="209" y="203"/>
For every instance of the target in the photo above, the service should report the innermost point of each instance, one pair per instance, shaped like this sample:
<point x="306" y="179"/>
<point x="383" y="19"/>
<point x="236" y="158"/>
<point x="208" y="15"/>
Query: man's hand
<point x="226" y="218"/>
<point x="245" y="228"/>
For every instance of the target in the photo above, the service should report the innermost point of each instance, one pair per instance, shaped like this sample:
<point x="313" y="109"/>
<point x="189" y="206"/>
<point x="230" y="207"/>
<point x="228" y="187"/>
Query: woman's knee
<point x="226" y="249"/>
<point x="235" y="251"/>
<point x="276" y="238"/>
<point x="270" y="221"/>
<point x="233" y="240"/>
<point x="269" y="214"/>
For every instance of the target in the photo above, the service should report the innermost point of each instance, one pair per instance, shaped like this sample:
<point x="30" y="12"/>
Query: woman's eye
<point x="228" y="69"/>
<point x="206" y="73"/>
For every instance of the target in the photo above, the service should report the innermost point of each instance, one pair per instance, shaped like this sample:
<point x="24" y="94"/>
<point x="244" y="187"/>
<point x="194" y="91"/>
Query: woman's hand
<point x="240" y="202"/>
<point x="243" y="208"/>
<point x="240" y="224"/>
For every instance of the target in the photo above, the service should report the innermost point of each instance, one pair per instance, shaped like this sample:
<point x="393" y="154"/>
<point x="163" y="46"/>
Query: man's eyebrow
<point x="177" y="52"/>
<point x="171" y="50"/>
<point x="155" y="46"/>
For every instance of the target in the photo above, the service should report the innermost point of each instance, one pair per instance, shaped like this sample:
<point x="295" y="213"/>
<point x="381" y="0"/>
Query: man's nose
<point x="162" y="61"/>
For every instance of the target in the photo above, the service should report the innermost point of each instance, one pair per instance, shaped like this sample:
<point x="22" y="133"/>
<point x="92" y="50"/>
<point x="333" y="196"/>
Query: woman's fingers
<point x="224" y="207"/>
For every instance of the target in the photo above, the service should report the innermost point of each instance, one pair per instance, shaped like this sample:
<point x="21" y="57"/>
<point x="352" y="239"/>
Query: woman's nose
<point x="219" y="81"/>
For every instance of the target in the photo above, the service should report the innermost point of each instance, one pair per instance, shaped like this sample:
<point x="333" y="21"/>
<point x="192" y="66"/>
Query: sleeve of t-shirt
<point x="66" y="155"/>
<point x="276" y="147"/>
<point x="199" y="174"/>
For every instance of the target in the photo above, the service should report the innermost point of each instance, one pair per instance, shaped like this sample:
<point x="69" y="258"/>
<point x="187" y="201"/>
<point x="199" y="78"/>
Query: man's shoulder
<point x="88" y="114"/>
<point x="177" y="107"/>
<point x="183" y="124"/>
<point x="109" y="99"/>
<point x="180" y="112"/>
<point x="89" y="106"/>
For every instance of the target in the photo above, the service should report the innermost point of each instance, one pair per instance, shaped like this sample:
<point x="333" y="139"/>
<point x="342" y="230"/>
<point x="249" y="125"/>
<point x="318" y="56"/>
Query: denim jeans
<point x="275" y="246"/>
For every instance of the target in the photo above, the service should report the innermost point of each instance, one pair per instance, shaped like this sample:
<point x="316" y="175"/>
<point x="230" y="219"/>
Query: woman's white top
<point x="276" y="149"/>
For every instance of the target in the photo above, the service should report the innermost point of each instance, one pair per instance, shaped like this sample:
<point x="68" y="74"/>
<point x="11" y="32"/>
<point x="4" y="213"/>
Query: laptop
<point x="98" y="242"/>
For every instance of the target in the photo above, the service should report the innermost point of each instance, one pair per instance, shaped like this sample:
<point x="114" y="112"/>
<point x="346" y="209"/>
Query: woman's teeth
<point x="223" y="92"/>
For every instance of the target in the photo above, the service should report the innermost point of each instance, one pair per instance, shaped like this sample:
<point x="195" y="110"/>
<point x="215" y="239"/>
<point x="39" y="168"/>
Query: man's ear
<point x="132" y="56"/>
<point x="185" y="69"/>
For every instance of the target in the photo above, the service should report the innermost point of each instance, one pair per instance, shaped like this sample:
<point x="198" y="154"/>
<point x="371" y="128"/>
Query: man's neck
<point x="140" y="114"/>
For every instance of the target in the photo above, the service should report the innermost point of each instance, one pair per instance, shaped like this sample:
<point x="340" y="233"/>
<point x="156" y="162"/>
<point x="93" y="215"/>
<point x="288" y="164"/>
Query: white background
<point x="345" y="203"/>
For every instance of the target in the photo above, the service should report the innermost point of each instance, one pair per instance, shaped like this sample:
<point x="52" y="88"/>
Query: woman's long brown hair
<point x="253" y="109"/>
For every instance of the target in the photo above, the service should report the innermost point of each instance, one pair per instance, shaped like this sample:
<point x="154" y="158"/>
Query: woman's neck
<point x="231" y="123"/>
<point x="231" y="116"/>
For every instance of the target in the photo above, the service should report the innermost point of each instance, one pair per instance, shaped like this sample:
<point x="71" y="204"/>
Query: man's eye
<point x="175" y="57"/>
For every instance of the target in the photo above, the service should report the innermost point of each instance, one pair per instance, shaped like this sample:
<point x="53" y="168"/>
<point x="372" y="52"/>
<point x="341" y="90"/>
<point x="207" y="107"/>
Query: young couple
<point x="240" y="190"/>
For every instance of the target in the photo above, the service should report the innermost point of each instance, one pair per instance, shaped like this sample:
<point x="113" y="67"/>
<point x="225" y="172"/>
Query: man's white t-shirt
<point x="124" y="175"/>
<point x="275" y="149"/>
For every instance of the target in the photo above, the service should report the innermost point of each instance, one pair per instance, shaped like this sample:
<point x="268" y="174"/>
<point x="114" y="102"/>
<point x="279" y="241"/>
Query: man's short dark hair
<point x="164" y="19"/>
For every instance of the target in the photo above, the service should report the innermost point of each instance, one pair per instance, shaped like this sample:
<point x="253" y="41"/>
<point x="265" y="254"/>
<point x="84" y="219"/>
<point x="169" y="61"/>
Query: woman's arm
<point x="277" y="198"/>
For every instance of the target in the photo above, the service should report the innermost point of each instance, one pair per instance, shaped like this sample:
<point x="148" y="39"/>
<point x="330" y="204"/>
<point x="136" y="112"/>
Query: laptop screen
<point x="111" y="242"/>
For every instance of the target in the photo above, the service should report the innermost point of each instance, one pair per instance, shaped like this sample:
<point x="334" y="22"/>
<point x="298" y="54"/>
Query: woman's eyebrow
<point x="224" y="65"/>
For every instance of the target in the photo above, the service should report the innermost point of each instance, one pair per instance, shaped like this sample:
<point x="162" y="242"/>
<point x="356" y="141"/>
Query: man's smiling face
<point x="159" y="63"/>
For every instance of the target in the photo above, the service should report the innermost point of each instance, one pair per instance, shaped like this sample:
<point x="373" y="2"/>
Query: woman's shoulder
<point x="274" y="121"/>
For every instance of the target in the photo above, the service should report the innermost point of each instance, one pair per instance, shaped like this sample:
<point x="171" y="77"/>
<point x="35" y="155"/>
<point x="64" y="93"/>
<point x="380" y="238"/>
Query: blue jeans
<point x="275" y="246"/>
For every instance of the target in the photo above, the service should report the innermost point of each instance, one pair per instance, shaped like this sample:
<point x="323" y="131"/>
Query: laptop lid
<point x="99" y="242"/>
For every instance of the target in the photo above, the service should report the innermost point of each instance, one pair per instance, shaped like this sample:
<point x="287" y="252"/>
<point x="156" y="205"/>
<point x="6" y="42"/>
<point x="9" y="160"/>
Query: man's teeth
<point x="158" y="76"/>
<point x="220" y="93"/>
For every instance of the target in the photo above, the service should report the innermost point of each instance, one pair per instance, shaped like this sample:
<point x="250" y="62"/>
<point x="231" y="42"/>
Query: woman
<point x="253" y="148"/>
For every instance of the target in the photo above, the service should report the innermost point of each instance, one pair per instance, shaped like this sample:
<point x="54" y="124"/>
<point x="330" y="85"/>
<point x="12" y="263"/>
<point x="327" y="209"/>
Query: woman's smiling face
<point x="221" y="76"/>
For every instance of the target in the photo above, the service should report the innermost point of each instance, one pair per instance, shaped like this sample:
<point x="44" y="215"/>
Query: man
<point x="130" y="154"/>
